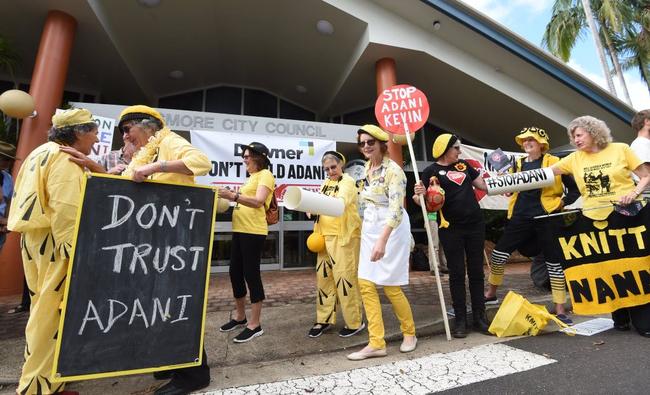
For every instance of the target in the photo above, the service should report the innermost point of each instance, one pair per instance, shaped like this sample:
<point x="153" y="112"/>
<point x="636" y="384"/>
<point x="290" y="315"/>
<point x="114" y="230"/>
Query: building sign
<point x="294" y="161"/>
<point x="196" y="120"/>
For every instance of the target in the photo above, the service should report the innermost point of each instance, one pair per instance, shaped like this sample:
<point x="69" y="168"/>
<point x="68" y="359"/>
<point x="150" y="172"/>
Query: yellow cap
<point x="75" y="116"/>
<point x="337" y="154"/>
<point x="537" y="133"/>
<point x="374" y="131"/>
<point x="442" y="144"/>
<point x="138" y="112"/>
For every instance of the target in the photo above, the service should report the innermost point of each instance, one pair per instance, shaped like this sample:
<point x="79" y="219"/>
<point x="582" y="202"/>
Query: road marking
<point x="433" y="373"/>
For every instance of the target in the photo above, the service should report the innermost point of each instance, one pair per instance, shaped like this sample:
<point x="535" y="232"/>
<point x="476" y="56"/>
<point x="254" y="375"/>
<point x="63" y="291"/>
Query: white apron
<point x="393" y="268"/>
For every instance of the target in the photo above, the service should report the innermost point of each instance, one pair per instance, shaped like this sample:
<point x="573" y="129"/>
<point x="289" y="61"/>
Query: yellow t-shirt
<point x="175" y="147"/>
<point x="602" y="177"/>
<point x="253" y="220"/>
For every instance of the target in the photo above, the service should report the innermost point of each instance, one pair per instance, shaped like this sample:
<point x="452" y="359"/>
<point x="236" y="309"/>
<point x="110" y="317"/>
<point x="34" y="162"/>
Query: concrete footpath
<point x="284" y="351"/>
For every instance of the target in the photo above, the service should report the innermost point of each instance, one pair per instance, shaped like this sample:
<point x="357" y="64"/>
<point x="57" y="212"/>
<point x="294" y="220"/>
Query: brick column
<point x="386" y="76"/>
<point x="46" y="87"/>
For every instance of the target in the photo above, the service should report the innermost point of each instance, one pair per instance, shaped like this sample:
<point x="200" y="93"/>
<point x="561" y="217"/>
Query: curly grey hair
<point x="330" y="156"/>
<point x="67" y="135"/>
<point x="595" y="127"/>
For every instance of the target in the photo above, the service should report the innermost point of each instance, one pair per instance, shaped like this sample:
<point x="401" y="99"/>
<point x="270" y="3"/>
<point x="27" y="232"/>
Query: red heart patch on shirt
<point x="457" y="177"/>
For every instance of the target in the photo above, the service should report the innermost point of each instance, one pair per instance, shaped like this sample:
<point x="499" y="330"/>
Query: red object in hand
<point x="435" y="195"/>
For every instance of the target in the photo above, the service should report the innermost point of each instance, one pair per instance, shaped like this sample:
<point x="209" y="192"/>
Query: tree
<point x="569" y="20"/>
<point x="633" y="43"/>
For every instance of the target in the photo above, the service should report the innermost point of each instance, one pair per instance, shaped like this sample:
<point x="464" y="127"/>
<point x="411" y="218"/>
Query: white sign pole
<point x="432" y="256"/>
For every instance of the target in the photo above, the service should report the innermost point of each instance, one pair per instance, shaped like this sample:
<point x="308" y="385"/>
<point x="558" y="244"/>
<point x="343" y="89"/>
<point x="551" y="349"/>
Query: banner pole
<point x="432" y="256"/>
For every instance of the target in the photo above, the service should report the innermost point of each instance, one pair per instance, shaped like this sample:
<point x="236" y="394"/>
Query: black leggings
<point x="246" y="252"/>
<point x="461" y="243"/>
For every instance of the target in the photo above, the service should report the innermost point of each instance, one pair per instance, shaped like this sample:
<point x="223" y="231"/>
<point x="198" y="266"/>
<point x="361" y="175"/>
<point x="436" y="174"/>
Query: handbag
<point x="517" y="316"/>
<point x="272" y="214"/>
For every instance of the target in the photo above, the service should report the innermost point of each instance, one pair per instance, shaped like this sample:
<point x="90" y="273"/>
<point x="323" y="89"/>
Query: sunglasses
<point x="125" y="128"/>
<point x="369" y="143"/>
<point x="456" y="147"/>
<point x="330" y="168"/>
<point x="245" y="156"/>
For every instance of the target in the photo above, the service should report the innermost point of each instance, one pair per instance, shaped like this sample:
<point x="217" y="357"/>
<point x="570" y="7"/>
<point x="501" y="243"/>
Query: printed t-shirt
<point x="253" y="220"/>
<point x="460" y="205"/>
<point x="602" y="177"/>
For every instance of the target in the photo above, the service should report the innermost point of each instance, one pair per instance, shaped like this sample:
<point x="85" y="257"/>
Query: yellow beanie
<point x="337" y="154"/>
<point x="374" y="131"/>
<point x="75" y="116"/>
<point x="442" y="144"/>
<point x="538" y="134"/>
<point x="139" y="112"/>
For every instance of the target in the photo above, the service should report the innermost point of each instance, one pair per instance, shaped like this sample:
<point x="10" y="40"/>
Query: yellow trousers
<point x="46" y="282"/>
<point x="372" y="305"/>
<point x="336" y="274"/>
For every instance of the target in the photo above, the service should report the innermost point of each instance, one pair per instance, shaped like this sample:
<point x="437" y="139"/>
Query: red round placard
<point x="400" y="107"/>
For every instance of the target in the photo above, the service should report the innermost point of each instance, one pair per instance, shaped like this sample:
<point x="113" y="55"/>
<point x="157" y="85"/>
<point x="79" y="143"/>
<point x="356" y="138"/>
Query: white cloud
<point x="635" y="85"/>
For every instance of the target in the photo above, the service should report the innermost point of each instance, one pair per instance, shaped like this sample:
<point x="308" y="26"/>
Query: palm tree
<point x="569" y="20"/>
<point x="9" y="58"/>
<point x="633" y="43"/>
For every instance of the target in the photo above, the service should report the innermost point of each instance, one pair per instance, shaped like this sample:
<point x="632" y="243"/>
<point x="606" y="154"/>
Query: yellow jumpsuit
<point x="337" y="265"/>
<point x="48" y="192"/>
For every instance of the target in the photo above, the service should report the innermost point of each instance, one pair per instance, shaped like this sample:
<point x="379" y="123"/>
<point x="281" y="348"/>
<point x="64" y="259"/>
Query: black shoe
<point x="248" y="334"/>
<point x="163" y="375"/>
<point x="644" y="333"/>
<point x="232" y="325"/>
<point x="460" y="325"/>
<point x="480" y="322"/>
<point x="175" y="387"/>
<point x="346" y="332"/>
<point x="622" y="326"/>
<point x="318" y="329"/>
<point x="492" y="300"/>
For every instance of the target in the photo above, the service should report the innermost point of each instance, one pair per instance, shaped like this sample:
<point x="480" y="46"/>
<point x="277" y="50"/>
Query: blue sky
<point x="528" y="18"/>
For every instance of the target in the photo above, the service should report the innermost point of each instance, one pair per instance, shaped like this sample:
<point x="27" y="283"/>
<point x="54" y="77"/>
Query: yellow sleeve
<point x="396" y="183"/>
<point x="63" y="186"/>
<point x="266" y="179"/>
<point x="566" y="164"/>
<point x="192" y="157"/>
<point x="347" y="190"/>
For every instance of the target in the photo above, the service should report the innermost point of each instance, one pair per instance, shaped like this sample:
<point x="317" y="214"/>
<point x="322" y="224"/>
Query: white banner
<point x="106" y="129"/>
<point x="477" y="157"/>
<point x="294" y="161"/>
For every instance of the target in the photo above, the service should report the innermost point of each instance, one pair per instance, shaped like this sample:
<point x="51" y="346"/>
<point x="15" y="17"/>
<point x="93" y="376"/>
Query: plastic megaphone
<point x="435" y="195"/>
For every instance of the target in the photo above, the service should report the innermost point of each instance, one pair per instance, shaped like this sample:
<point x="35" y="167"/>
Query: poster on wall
<point x="105" y="131"/>
<point x="294" y="161"/>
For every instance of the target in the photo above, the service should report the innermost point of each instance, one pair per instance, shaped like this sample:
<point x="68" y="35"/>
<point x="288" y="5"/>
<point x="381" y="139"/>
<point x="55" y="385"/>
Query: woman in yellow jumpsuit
<point x="337" y="264"/>
<point x="48" y="189"/>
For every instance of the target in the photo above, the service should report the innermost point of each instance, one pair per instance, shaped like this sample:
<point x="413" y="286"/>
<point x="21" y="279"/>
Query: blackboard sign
<point x="137" y="291"/>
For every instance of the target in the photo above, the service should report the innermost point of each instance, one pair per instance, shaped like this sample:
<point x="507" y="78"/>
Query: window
<point x="260" y="104"/>
<point x="223" y="99"/>
<point x="292" y="111"/>
<point x="184" y="101"/>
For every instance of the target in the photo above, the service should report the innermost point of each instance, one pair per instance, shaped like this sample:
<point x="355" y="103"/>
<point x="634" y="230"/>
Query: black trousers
<point x="530" y="237"/>
<point x="638" y="315"/>
<point x="246" y="252"/>
<point x="464" y="244"/>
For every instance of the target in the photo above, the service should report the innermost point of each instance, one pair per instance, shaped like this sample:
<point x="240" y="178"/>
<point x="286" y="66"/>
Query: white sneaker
<point x="408" y="346"/>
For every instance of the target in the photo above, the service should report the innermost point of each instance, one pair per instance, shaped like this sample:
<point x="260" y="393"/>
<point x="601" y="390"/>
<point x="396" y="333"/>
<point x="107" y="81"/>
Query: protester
<point x="7" y="156"/>
<point x="461" y="229"/>
<point x="641" y="144"/>
<point x="385" y="243"/>
<point x="249" y="231"/>
<point x="48" y="191"/>
<point x="338" y="263"/>
<point x="163" y="155"/>
<point x="602" y="172"/>
<point x="522" y="230"/>
<point x="115" y="162"/>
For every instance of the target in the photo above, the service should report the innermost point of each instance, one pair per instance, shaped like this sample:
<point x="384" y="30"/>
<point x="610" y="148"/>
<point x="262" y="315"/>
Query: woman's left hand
<point x="141" y="173"/>
<point x="629" y="198"/>
<point x="81" y="159"/>
<point x="378" y="251"/>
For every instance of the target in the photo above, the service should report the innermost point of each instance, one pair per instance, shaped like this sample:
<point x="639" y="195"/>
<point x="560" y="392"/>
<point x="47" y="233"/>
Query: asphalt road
<point x="610" y="362"/>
